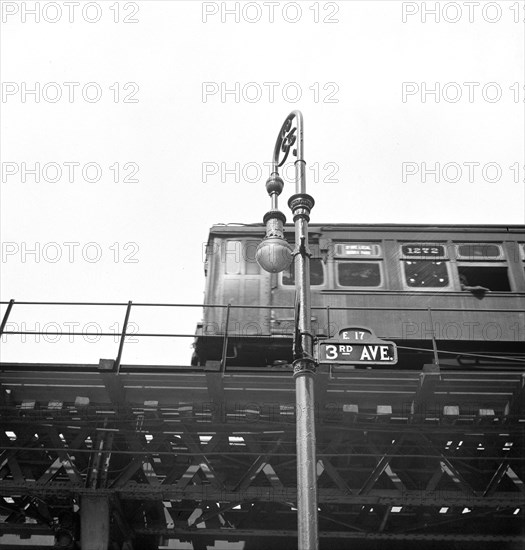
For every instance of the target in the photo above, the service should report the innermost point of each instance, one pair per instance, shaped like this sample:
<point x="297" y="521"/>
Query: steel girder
<point x="401" y="457"/>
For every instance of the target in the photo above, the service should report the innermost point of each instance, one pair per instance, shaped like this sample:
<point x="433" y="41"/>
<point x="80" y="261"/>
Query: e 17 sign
<point x="357" y="345"/>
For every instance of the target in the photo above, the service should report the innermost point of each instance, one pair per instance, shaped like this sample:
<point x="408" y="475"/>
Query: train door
<point x="246" y="285"/>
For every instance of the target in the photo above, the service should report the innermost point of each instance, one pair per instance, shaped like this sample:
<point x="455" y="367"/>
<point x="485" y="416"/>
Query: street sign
<point x="357" y="346"/>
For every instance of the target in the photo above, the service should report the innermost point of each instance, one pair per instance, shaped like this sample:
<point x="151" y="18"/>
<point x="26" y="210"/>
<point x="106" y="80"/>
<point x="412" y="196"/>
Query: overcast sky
<point x="147" y="122"/>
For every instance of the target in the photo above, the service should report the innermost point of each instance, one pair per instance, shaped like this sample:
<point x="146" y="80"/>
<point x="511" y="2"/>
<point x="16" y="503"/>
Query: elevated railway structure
<point x="128" y="456"/>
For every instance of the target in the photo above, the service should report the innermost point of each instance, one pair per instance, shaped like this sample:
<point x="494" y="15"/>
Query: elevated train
<point x="448" y="294"/>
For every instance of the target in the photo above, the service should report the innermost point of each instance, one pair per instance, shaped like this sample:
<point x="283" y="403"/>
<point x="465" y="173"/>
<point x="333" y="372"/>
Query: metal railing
<point x="225" y="334"/>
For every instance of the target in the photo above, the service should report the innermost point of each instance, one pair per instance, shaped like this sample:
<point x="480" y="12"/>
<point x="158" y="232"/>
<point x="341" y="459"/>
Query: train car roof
<point x="258" y="228"/>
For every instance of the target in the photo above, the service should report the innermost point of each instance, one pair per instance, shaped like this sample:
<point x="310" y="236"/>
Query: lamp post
<point x="274" y="254"/>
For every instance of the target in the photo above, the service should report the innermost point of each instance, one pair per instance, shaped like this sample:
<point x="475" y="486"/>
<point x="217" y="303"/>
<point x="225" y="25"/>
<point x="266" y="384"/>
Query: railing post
<point x="122" y="338"/>
<point x="434" y="343"/>
<point x="225" y="341"/>
<point x="6" y="316"/>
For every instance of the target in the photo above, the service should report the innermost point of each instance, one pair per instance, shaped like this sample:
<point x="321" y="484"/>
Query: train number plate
<point x="433" y="251"/>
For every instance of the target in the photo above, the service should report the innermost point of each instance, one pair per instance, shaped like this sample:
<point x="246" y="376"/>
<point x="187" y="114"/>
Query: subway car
<point x="452" y="295"/>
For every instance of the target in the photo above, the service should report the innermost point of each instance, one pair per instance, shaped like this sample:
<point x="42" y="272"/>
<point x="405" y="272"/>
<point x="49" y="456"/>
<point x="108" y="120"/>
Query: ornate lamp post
<point x="274" y="254"/>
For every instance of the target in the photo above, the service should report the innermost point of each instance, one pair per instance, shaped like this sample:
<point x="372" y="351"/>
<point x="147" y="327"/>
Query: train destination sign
<point x="357" y="345"/>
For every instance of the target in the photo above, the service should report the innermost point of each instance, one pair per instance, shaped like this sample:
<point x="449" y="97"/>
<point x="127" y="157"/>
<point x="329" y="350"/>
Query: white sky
<point x="173" y="136"/>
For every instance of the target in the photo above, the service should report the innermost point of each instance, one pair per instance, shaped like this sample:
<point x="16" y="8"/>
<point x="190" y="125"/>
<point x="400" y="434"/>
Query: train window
<point x="479" y="251"/>
<point x="252" y="267"/>
<point x="477" y="271"/>
<point x="358" y="274"/>
<point x="316" y="273"/>
<point x="232" y="257"/>
<point x="238" y="258"/>
<point x="426" y="274"/>
<point x="486" y="277"/>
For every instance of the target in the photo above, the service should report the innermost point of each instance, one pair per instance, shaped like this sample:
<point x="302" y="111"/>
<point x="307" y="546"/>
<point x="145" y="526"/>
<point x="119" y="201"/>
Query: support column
<point x="94" y="523"/>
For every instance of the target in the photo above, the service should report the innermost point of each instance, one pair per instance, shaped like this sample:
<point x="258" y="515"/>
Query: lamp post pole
<point x="274" y="254"/>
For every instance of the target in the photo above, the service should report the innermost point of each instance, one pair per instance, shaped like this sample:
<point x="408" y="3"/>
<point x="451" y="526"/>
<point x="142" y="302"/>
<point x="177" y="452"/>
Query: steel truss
<point x="199" y="456"/>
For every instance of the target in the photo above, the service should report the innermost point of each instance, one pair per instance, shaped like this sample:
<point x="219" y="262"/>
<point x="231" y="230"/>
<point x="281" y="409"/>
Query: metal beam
<point x="245" y="534"/>
<point x="425" y="389"/>
<point x="382" y="465"/>
<point x="140" y="492"/>
<point x="199" y="463"/>
<point x="94" y="523"/>
<point x="516" y="405"/>
<point x="64" y="460"/>
<point x="449" y="468"/>
<point x="241" y="534"/>
<point x="258" y="465"/>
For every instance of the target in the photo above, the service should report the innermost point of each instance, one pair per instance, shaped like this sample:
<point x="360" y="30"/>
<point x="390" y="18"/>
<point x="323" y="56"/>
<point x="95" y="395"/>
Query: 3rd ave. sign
<point x="357" y="346"/>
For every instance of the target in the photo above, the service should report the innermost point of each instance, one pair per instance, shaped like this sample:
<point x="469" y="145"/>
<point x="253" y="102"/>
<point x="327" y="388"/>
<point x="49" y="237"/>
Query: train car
<point x="448" y="294"/>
